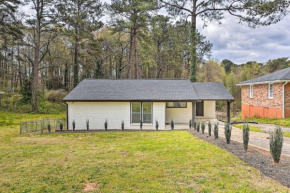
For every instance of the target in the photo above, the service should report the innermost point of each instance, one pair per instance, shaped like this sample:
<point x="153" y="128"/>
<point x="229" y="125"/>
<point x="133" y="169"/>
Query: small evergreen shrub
<point x="172" y="125"/>
<point x="156" y="125"/>
<point x="49" y="127"/>
<point x="228" y="132"/>
<point x="194" y="125"/>
<point x="106" y="125"/>
<point x="209" y="128"/>
<point x="202" y="127"/>
<point x="276" y="144"/>
<point x="198" y="126"/>
<point x="189" y="124"/>
<point x="74" y="125"/>
<point x="61" y="126"/>
<point x="122" y="125"/>
<point x="141" y="124"/>
<point x="216" y="131"/>
<point x="88" y="124"/>
<point x="246" y="136"/>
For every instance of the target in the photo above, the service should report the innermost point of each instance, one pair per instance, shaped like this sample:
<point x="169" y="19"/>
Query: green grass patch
<point x="286" y="134"/>
<point x="282" y="122"/>
<point x="252" y="128"/>
<point x="172" y="161"/>
<point x="9" y="119"/>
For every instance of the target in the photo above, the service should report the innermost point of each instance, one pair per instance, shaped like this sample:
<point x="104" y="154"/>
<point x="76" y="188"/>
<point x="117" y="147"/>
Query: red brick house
<point x="267" y="96"/>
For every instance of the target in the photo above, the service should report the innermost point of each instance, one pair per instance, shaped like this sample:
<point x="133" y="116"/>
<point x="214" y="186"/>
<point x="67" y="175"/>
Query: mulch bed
<point x="255" y="157"/>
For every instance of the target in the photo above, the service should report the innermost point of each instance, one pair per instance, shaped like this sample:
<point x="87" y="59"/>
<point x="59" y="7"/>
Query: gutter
<point x="265" y="82"/>
<point x="283" y="98"/>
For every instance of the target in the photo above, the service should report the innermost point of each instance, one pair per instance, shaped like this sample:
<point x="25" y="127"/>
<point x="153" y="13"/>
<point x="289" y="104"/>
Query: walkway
<point x="258" y="140"/>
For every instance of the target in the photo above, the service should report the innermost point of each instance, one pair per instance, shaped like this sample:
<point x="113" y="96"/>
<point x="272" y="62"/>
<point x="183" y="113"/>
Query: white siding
<point x="114" y="112"/>
<point x="179" y="115"/>
<point x="183" y="115"/>
<point x="209" y="110"/>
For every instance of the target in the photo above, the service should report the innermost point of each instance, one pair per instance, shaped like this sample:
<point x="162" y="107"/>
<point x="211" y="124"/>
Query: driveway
<point x="259" y="140"/>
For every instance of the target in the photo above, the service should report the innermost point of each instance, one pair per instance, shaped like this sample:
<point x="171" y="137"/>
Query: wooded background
<point x="45" y="53"/>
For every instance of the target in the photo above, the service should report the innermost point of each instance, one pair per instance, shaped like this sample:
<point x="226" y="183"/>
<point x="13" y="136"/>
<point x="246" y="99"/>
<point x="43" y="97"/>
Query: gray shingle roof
<point x="130" y="89"/>
<point x="212" y="91"/>
<point x="146" y="89"/>
<point x="279" y="75"/>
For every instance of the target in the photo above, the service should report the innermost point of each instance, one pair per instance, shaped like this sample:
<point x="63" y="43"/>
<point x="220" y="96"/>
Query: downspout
<point x="283" y="98"/>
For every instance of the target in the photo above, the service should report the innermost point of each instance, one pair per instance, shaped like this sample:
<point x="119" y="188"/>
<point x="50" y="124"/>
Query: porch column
<point x="193" y="112"/>
<point x="228" y="111"/>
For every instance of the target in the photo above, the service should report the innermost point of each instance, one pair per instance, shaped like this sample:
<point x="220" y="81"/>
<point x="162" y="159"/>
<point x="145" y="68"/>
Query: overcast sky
<point x="239" y="43"/>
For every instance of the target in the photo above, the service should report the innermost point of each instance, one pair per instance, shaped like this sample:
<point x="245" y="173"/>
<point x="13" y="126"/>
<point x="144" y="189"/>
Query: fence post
<point x="42" y="126"/>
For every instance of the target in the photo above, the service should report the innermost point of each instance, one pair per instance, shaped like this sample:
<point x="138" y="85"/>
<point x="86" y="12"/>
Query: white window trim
<point x="131" y="114"/>
<point x="271" y="97"/>
<point x="251" y="91"/>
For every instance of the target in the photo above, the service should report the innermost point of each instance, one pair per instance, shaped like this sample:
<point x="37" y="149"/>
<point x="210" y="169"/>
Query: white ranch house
<point x="146" y="100"/>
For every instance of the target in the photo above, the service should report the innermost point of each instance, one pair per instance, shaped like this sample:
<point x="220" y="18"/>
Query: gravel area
<point x="255" y="157"/>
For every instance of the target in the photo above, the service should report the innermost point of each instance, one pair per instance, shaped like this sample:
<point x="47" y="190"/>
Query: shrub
<point x="61" y="126"/>
<point x="246" y="134"/>
<point x="189" y="124"/>
<point x="202" y="127"/>
<point x="88" y="124"/>
<point x="49" y="127"/>
<point x="216" y="131"/>
<point x="74" y="125"/>
<point x="141" y="124"/>
<point x="276" y="144"/>
<point x="209" y="128"/>
<point x="194" y="125"/>
<point x="106" y="125"/>
<point x="228" y="132"/>
<point x="172" y="125"/>
<point x="122" y="125"/>
<point x="156" y="125"/>
<point x="198" y="126"/>
<point x="55" y="96"/>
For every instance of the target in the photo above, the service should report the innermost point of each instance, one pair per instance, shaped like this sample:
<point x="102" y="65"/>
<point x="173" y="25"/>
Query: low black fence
<point x="43" y="126"/>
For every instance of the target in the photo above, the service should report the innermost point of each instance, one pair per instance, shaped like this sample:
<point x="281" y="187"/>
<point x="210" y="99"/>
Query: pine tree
<point x="80" y="19"/>
<point x="132" y="16"/>
<point x="253" y="13"/>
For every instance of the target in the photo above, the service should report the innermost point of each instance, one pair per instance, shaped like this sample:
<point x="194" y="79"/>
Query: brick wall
<point x="287" y="100"/>
<point x="260" y="105"/>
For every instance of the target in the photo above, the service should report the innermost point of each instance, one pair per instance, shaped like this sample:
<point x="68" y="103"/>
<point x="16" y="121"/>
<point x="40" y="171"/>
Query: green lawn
<point x="252" y="128"/>
<point x="286" y="134"/>
<point x="282" y="122"/>
<point x="172" y="161"/>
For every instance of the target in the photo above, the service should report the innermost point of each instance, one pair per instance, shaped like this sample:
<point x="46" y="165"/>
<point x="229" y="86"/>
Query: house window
<point x="200" y="109"/>
<point x="270" y="91"/>
<point x="141" y="111"/>
<point x="251" y="91"/>
<point x="176" y="104"/>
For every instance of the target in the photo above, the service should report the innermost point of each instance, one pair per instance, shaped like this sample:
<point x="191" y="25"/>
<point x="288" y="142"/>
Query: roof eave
<point x="264" y="82"/>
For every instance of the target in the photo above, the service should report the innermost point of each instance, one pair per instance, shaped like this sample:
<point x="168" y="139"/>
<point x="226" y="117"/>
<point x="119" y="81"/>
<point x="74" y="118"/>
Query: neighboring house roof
<point x="212" y="91"/>
<point x="145" y="90"/>
<point x="278" y="76"/>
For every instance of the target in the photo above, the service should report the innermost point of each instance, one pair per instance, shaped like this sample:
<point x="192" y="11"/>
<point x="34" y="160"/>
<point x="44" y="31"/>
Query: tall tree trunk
<point x="66" y="77"/>
<point x="135" y="55"/>
<point x="76" y="65"/>
<point x="193" y="46"/>
<point x="34" y="101"/>
<point x="130" y="55"/>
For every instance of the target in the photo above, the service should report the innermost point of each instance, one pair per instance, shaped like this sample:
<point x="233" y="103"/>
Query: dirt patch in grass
<point x="255" y="157"/>
<point x="89" y="187"/>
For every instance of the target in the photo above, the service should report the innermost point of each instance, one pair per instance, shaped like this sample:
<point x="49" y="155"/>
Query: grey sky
<point x="240" y="43"/>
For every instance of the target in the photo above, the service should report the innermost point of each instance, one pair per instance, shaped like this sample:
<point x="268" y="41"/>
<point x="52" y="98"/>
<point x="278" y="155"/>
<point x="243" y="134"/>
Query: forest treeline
<point x="47" y="51"/>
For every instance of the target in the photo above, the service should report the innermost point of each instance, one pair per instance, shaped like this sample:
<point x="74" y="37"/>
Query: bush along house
<point x="145" y="103"/>
<point x="267" y="96"/>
